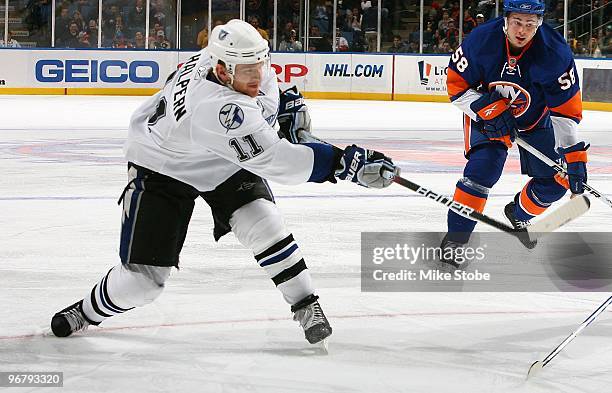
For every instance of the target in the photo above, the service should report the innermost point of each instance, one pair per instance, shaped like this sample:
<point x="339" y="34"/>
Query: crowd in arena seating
<point x="123" y="24"/>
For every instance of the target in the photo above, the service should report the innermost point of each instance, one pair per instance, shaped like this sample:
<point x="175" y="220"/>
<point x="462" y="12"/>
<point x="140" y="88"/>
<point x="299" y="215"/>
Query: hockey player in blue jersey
<point x="512" y="76"/>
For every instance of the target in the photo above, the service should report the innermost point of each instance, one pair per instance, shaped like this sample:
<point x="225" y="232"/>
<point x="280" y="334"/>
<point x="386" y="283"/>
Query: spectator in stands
<point x="479" y="19"/>
<point x="73" y="36"/>
<point x="202" y="39"/>
<point x="161" y="42"/>
<point x="428" y="37"/>
<point x="369" y="23"/>
<point x="443" y="23"/>
<point x="83" y="40"/>
<point x="594" y="49"/>
<point x="342" y="44"/>
<point x="254" y="21"/>
<point x="606" y="42"/>
<point x="121" y="42"/>
<point x="469" y="23"/>
<point x="486" y="8"/>
<point x="92" y="30"/>
<point x="397" y="46"/>
<point x="580" y="50"/>
<point x="413" y="47"/>
<point x="318" y="42"/>
<point x="341" y="21"/>
<point x="62" y="26"/>
<point x="188" y="38"/>
<point x="356" y="18"/>
<point x="452" y="34"/>
<point x="137" y="16"/>
<point x="78" y="19"/>
<point x="10" y="42"/>
<point x="290" y="43"/>
<point x="139" y="40"/>
<point x="446" y="48"/>
<point x="320" y="16"/>
<point x="454" y="11"/>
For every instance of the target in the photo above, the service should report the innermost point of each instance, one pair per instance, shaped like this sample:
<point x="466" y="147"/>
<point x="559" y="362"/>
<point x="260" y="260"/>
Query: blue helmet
<point x="525" y="6"/>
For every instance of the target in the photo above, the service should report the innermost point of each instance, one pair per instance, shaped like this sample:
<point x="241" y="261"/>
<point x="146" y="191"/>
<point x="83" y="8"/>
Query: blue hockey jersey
<point x="541" y="82"/>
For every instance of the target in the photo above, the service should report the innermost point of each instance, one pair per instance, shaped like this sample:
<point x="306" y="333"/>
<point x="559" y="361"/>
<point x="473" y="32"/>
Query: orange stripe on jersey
<point x="562" y="181"/>
<point x="576" y="156"/>
<point x="505" y="139"/>
<point x="571" y="108"/>
<point x="530" y="206"/>
<point x="467" y="129"/>
<point x="476" y="203"/>
<point x="455" y="84"/>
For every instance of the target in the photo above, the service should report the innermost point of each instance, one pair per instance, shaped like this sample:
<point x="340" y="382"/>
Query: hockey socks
<point x="123" y="288"/>
<point x="537" y="195"/>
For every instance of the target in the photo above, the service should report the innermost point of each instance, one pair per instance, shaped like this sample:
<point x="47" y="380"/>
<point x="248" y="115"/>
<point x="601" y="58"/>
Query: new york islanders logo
<point x="518" y="97"/>
<point x="231" y="116"/>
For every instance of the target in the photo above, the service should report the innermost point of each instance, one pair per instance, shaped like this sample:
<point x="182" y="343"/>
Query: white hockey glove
<point x="368" y="168"/>
<point x="293" y="117"/>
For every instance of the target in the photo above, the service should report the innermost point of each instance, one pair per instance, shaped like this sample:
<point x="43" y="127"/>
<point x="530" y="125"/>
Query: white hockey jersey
<point x="201" y="133"/>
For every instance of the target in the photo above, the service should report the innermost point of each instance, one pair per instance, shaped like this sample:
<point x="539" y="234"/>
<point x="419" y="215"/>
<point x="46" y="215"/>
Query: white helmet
<point x="237" y="42"/>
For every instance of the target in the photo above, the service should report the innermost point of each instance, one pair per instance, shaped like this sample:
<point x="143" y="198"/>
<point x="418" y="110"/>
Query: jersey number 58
<point x="567" y="79"/>
<point x="460" y="61"/>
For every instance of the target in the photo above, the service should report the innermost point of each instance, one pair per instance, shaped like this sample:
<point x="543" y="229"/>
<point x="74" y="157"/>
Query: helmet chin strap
<point x="230" y="82"/>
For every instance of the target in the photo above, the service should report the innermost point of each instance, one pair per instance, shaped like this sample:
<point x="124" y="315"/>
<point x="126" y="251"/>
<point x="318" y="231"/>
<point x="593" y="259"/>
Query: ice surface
<point x="220" y="324"/>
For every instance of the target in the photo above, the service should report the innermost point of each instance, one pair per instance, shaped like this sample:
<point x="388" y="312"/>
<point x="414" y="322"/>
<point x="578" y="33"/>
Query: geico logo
<point x="289" y="70"/>
<point x="108" y="71"/>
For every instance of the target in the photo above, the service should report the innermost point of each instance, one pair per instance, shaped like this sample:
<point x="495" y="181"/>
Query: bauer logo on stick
<point x="231" y="116"/>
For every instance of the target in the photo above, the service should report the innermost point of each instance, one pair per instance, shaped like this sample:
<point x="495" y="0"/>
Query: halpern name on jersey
<point x="178" y="98"/>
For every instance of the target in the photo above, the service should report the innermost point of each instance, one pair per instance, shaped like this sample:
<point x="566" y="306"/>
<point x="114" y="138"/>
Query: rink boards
<point x="319" y="75"/>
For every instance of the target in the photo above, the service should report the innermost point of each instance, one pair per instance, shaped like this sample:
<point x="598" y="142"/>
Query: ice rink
<point x="220" y="325"/>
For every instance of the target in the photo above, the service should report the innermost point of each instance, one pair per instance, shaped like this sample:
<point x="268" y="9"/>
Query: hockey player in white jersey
<point x="209" y="134"/>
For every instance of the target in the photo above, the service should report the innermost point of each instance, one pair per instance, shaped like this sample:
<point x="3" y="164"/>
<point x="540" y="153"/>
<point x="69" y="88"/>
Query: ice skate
<point x="450" y="258"/>
<point x="70" y="320"/>
<point x="518" y="224"/>
<point x="309" y="314"/>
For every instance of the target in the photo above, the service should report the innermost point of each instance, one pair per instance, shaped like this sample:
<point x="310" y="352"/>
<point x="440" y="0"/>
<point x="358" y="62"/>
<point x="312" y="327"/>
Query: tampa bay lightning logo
<point x="231" y="116"/>
<point x="222" y="35"/>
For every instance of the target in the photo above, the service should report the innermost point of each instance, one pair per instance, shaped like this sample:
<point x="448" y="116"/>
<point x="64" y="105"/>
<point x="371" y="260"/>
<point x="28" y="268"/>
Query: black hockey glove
<point x="575" y="158"/>
<point x="293" y="117"/>
<point x="368" y="168"/>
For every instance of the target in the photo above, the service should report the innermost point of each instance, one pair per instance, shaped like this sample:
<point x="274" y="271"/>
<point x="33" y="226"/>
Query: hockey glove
<point x="293" y="117"/>
<point x="368" y="168"/>
<point x="493" y="110"/>
<point x="575" y="158"/>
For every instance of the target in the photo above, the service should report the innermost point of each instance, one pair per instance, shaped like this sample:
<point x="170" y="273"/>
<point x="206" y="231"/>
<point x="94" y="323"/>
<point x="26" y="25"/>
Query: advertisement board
<point x="401" y="77"/>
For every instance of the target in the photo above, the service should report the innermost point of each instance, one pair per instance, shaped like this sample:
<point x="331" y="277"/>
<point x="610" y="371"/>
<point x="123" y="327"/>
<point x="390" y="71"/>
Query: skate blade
<point x="535" y="369"/>
<point x="324" y="346"/>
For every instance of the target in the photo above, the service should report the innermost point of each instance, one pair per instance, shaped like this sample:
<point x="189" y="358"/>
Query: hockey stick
<point x="561" y="216"/>
<point x="559" y="169"/>
<point x="539" y="364"/>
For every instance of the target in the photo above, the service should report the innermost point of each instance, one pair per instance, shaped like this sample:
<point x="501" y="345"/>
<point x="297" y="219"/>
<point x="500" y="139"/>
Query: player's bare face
<point x="521" y="29"/>
<point x="247" y="78"/>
